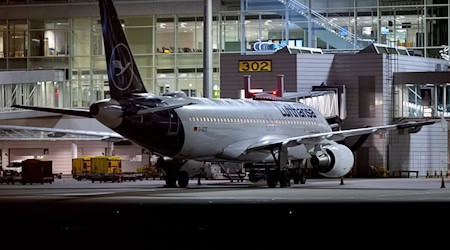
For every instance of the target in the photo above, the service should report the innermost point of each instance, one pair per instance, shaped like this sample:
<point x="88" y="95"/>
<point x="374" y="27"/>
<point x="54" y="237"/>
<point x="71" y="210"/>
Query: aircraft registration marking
<point x="200" y="129"/>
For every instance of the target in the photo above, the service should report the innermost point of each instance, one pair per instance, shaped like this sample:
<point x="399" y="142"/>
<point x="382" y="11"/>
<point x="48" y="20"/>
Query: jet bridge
<point x="329" y="100"/>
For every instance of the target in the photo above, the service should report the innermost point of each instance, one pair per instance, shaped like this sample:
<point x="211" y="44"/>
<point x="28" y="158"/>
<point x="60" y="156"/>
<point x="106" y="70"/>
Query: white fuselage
<point x="221" y="129"/>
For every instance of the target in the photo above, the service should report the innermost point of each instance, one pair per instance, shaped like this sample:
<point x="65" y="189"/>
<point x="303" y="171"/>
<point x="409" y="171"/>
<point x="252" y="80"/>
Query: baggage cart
<point x="37" y="171"/>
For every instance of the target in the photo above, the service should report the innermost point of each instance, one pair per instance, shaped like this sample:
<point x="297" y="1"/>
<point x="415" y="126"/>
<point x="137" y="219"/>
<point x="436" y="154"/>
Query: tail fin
<point x="123" y="74"/>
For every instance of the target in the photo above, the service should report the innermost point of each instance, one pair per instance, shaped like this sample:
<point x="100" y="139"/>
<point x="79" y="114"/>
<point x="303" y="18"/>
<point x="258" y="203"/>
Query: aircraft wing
<point x="75" y="112"/>
<point x="55" y="132"/>
<point x="333" y="136"/>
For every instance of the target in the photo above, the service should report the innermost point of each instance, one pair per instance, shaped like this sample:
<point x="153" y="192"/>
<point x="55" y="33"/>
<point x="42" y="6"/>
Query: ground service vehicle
<point x="150" y="172"/>
<point x="37" y="171"/>
<point x="11" y="173"/>
<point x="106" y="168"/>
<point x="81" y="167"/>
<point x="10" y="176"/>
<point x="131" y="176"/>
<point x="102" y="168"/>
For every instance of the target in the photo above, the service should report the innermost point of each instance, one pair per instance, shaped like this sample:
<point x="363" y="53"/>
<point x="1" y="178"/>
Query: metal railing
<point x="323" y="21"/>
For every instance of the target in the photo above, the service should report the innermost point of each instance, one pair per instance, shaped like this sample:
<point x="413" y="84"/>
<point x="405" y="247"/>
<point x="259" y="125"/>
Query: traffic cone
<point x="342" y="180"/>
<point x="442" y="182"/>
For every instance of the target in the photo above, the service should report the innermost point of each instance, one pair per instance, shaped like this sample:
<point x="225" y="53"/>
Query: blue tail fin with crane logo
<point x="123" y="74"/>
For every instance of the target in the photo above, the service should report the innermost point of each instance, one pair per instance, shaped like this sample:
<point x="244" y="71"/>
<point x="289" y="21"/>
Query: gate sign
<point x="255" y="66"/>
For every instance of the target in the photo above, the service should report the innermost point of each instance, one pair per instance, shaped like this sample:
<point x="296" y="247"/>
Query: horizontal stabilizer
<point x="75" y="112"/>
<point x="57" y="132"/>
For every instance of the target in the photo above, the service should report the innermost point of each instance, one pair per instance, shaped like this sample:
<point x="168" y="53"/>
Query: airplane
<point x="182" y="128"/>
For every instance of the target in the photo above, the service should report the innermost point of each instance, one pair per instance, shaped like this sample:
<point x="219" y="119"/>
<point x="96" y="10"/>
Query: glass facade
<point x="168" y="47"/>
<point x="421" y="25"/>
<point x="167" y="50"/>
<point x="422" y="100"/>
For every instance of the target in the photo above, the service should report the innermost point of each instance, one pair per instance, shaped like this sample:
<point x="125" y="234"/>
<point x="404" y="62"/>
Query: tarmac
<point x="219" y="214"/>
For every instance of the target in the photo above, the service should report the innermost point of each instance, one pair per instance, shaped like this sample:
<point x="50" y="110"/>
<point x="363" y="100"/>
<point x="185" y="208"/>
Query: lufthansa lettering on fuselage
<point x="289" y="111"/>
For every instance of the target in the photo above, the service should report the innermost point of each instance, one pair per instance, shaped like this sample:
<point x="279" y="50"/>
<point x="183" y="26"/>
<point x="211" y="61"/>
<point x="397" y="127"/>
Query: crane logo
<point x="121" y="67"/>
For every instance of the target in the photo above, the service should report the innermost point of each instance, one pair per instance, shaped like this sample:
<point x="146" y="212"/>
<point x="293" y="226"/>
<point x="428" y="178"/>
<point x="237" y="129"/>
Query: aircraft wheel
<point x="296" y="176"/>
<point x="272" y="178"/>
<point x="302" y="179"/>
<point x="183" y="179"/>
<point x="284" y="178"/>
<point x="171" y="180"/>
<point x="252" y="176"/>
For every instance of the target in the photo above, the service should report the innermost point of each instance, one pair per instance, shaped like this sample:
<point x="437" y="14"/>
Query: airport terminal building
<point x="388" y="55"/>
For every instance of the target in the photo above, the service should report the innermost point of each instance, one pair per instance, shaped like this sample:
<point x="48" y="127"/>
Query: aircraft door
<point x="174" y="124"/>
<point x="270" y="124"/>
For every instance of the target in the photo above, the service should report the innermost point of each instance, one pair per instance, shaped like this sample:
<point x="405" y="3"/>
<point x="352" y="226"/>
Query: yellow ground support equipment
<point x="102" y="168"/>
<point x="106" y="168"/>
<point x="81" y="167"/>
<point x="149" y="172"/>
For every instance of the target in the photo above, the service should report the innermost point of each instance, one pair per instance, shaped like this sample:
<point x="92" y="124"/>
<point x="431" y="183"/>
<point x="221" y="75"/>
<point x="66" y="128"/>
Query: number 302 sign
<point x="255" y="66"/>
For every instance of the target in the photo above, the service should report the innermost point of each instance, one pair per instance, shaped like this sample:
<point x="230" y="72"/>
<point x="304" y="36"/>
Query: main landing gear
<point x="173" y="173"/>
<point x="282" y="173"/>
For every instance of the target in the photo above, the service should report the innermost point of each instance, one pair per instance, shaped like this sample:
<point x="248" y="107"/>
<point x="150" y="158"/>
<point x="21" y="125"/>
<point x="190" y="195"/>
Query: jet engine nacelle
<point x="108" y="111"/>
<point x="336" y="161"/>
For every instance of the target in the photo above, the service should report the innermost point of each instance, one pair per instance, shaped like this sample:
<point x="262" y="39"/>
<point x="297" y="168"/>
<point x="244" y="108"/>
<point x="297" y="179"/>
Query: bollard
<point x="342" y="180"/>
<point x="442" y="182"/>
